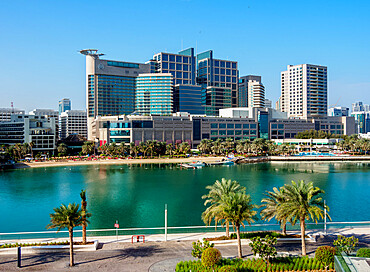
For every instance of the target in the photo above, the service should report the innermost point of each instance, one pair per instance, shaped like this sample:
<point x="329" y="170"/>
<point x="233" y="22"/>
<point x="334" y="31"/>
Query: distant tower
<point x="64" y="105"/>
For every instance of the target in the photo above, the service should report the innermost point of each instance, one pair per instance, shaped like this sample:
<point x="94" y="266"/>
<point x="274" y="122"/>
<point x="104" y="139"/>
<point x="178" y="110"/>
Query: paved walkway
<point x="154" y="255"/>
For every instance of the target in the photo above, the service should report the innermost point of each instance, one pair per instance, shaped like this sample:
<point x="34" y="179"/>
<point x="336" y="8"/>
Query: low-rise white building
<point x="27" y="128"/>
<point x="6" y="113"/>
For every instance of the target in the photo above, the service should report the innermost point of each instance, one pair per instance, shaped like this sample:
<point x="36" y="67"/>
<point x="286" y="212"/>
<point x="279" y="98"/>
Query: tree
<point x="199" y="247"/>
<point x="237" y="209"/>
<point x="264" y="247"/>
<point x="205" y="146"/>
<point x="85" y="215"/>
<point x="271" y="205"/>
<point x="302" y="201"/>
<point x="62" y="149"/>
<point x="325" y="255"/>
<point x="88" y="147"/>
<point x="346" y="244"/>
<point x="214" y="197"/>
<point x="67" y="217"/>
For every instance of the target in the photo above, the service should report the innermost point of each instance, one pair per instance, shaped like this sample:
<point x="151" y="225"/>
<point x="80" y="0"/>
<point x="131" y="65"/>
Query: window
<point x="253" y="126"/>
<point x="253" y="132"/>
<point x="185" y="60"/>
<point x="222" y="132"/>
<point x="165" y="65"/>
<point x="214" y="132"/>
<point x="185" y="67"/>
<point x="164" y="57"/>
<point x="172" y="66"/>
<point x="214" y="125"/>
<point x="178" y="67"/>
<point x="245" y="125"/>
<point x="222" y="125"/>
<point x="217" y="70"/>
<point x="238" y="125"/>
<point x="280" y="126"/>
<point x="238" y="132"/>
<point x="172" y="58"/>
<point x="230" y="132"/>
<point x="230" y="125"/>
<point x="245" y="132"/>
<point x="178" y="59"/>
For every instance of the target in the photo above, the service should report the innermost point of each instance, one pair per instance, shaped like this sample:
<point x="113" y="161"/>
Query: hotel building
<point x="304" y="91"/>
<point x="110" y="85"/>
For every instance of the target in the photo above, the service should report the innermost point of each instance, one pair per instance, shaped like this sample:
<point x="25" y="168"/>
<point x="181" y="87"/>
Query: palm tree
<point x="237" y="208"/>
<point x="67" y="217"/>
<point x="85" y="215"/>
<point x="62" y="149"/>
<point x="169" y="150"/>
<point x="302" y="201"/>
<point x="229" y="144"/>
<point x="88" y="147"/>
<point x="214" y="197"/>
<point x="205" y="146"/>
<point x="270" y="207"/>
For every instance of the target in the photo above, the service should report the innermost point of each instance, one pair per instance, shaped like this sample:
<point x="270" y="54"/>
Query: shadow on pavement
<point x="131" y="252"/>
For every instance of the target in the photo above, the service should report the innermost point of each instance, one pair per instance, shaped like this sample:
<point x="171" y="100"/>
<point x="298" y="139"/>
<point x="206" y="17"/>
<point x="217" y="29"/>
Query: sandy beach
<point x="115" y="161"/>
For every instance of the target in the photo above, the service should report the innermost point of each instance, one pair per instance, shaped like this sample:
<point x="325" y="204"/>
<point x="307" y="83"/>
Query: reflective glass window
<point x="172" y="58"/>
<point x="214" y="125"/>
<point x="222" y="125"/>
<point x="164" y="57"/>
<point x="178" y="67"/>
<point x="227" y="64"/>
<point x="222" y="132"/>
<point x="178" y="59"/>
<point x="230" y="125"/>
<point x="164" y="65"/>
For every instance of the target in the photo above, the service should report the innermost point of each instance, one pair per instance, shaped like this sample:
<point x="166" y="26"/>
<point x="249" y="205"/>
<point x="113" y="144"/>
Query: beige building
<point x="256" y="94"/>
<point x="304" y="91"/>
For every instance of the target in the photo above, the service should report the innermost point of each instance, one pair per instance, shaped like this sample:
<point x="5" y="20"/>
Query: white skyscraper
<point x="304" y="91"/>
<point x="256" y="94"/>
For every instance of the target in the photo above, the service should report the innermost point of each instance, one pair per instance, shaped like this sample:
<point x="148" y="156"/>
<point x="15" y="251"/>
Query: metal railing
<point x="173" y="230"/>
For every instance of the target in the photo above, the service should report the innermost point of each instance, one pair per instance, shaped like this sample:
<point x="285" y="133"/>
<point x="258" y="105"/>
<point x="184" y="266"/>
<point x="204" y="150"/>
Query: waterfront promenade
<point x="210" y="159"/>
<point x="155" y="255"/>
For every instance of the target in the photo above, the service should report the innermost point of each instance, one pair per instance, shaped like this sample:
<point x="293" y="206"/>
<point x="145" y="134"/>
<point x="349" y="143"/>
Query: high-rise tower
<point x="304" y="91"/>
<point x="110" y="85"/>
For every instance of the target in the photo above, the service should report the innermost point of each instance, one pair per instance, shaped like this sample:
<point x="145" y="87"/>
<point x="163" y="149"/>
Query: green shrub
<point x="227" y="268"/>
<point x="325" y="255"/>
<point x="199" y="247"/>
<point x="345" y="244"/>
<point x="210" y="257"/>
<point x="363" y="252"/>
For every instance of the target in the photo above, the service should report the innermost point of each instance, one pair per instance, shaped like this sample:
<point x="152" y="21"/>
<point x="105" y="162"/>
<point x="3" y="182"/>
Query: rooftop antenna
<point x="12" y="106"/>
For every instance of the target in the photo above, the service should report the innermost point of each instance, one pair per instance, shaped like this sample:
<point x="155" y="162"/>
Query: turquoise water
<point x="136" y="195"/>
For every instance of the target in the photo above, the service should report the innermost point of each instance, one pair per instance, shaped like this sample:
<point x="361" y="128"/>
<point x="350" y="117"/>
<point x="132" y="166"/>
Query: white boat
<point x="193" y="165"/>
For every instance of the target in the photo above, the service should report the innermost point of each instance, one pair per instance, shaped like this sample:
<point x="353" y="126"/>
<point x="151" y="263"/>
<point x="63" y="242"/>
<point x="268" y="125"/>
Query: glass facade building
<point x="186" y="94"/>
<point x="64" y="105"/>
<point x="218" y="79"/>
<point x="187" y="98"/>
<point x="154" y="94"/>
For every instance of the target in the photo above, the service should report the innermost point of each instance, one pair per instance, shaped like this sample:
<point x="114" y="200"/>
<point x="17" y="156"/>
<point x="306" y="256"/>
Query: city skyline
<point x="41" y="64"/>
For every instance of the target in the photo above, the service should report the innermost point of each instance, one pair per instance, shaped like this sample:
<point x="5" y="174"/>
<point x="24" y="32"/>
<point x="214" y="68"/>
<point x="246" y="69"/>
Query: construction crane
<point x="332" y="106"/>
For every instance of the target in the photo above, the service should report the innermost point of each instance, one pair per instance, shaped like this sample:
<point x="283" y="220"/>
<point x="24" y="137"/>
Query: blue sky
<point x="40" y="40"/>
